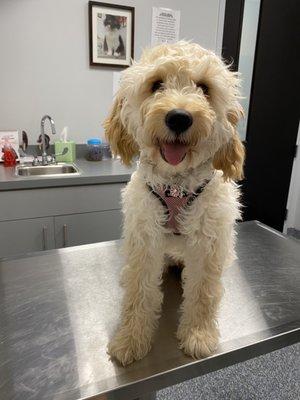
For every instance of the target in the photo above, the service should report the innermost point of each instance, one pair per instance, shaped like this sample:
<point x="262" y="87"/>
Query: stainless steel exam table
<point x="58" y="309"/>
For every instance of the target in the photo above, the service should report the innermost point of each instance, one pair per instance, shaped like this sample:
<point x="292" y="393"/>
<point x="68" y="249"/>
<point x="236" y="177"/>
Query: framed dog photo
<point x="111" y="34"/>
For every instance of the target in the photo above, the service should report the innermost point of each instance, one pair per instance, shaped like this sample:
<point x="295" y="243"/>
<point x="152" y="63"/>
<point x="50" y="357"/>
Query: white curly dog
<point x="177" y="108"/>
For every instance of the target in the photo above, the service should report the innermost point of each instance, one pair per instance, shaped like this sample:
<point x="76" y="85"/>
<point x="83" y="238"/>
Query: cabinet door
<point x="77" y="229"/>
<point x="26" y="235"/>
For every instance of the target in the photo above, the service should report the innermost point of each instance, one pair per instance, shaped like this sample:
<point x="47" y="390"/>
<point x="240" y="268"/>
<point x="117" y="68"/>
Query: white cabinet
<point x="76" y="229"/>
<point x="25" y="236"/>
<point x="42" y="219"/>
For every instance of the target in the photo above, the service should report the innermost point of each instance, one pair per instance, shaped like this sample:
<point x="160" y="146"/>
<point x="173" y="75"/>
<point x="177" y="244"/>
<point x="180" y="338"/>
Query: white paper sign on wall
<point x="165" y="25"/>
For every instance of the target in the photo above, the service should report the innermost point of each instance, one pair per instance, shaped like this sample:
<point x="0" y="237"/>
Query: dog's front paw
<point x="126" y="348"/>
<point x="199" y="343"/>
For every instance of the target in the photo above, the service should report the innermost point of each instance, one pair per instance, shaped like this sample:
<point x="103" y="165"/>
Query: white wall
<point x="297" y="216"/>
<point x="44" y="60"/>
<point x="247" y="55"/>
<point x="293" y="204"/>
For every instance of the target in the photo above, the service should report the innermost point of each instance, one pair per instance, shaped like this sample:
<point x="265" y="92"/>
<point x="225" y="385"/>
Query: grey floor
<point x="274" y="376"/>
<point x="294" y="232"/>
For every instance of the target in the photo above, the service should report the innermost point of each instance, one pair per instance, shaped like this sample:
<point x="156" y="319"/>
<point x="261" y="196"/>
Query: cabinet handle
<point x="44" y="237"/>
<point x="65" y="235"/>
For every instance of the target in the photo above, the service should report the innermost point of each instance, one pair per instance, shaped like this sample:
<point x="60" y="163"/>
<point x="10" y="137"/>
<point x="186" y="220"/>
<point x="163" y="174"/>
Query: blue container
<point x="94" y="149"/>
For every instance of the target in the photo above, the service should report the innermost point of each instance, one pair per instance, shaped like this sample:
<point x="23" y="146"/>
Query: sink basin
<point x="60" y="169"/>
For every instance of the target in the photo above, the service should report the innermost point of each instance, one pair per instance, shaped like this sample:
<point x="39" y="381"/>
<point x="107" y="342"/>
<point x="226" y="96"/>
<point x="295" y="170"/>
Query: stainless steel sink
<point x="59" y="169"/>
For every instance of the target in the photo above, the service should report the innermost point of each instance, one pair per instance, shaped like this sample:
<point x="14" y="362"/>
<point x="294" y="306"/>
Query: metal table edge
<point x="290" y="335"/>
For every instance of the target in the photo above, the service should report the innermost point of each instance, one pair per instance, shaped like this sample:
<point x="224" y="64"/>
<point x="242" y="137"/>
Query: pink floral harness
<point x="175" y="199"/>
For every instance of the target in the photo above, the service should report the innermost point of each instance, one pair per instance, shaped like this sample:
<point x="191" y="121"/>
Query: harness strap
<point x="174" y="200"/>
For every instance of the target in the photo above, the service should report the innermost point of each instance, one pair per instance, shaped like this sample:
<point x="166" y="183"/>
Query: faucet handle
<point x="52" y="159"/>
<point x="35" y="161"/>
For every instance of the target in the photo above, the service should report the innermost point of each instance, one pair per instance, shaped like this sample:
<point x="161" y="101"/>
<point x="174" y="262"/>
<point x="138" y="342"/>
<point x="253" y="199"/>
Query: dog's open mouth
<point x="173" y="152"/>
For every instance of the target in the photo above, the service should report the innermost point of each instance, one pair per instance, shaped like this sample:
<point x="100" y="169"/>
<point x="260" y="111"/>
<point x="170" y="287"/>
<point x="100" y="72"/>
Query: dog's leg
<point x="202" y="291"/>
<point x="141" y="305"/>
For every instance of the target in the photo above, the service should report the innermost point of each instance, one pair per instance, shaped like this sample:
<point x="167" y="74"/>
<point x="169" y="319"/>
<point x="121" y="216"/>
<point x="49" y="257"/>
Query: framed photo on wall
<point x="111" y="30"/>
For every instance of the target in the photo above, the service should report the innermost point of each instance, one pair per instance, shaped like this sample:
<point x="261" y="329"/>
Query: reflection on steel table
<point x="59" y="308"/>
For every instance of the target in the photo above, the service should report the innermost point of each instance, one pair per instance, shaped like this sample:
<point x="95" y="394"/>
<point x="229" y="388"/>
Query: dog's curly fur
<point x="136" y="126"/>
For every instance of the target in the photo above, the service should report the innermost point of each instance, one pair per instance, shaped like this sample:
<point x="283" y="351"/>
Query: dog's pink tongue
<point x="174" y="152"/>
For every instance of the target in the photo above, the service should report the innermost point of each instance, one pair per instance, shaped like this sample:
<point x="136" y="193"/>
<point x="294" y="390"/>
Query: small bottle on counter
<point x="94" y="149"/>
<point x="9" y="156"/>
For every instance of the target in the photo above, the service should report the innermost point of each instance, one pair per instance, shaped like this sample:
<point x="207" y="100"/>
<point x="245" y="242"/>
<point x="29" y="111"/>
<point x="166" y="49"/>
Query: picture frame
<point x="111" y="34"/>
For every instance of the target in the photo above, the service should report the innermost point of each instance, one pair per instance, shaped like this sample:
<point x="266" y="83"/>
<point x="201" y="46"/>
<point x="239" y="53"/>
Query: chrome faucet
<point x="44" y="153"/>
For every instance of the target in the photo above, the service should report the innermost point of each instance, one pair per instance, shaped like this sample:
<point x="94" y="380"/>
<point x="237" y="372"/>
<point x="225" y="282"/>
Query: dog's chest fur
<point x="210" y="215"/>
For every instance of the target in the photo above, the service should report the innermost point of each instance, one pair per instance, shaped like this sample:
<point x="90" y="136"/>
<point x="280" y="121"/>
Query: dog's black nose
<point x="178" y="120"/>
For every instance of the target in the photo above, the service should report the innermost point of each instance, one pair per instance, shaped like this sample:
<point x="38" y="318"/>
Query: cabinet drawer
<point x="77" y="229"/>
<point x="21" y="204"/>
<point x="25" y="236"/>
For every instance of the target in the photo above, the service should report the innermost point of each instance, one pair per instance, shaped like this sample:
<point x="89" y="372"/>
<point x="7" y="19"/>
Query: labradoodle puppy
<point x="177" y="108"/>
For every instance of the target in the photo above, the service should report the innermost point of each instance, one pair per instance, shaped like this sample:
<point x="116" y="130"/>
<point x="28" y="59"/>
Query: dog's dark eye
<point x="157" y="85"/>
<point x="204" y="88"/>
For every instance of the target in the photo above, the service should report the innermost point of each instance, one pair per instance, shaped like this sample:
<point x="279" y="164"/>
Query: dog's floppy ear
<point x="230" y="157"/>
<point x="121" y="142"/>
